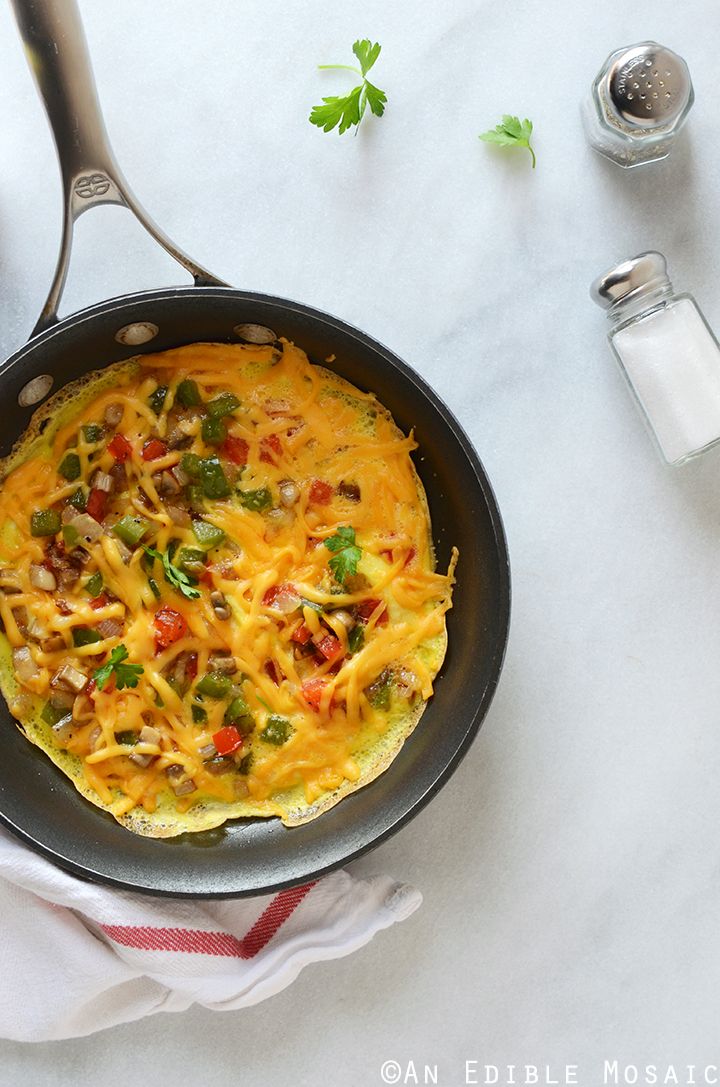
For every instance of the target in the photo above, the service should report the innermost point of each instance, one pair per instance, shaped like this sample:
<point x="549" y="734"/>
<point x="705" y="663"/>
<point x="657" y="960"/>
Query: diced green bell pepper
<point x="71" y="536"/>
<point x="85" y="636"/>
<point x="131" y="529"/>
<point x="224" y="404"/>
<point x="78" y="499"/>
<point x="92" y="433"/>
<point x="188" y="394"/>
<point x="214" y="685"/>
<point x="277" y="730"/>
<point x="258" y="500"/>
<point x="45" y="523"/>
<point x="207" y="534"/>
<point x="94" y="584"/>
<point x="157" y="398"/>
<point x="70" y="467"/>
<point x="213" y="431"/>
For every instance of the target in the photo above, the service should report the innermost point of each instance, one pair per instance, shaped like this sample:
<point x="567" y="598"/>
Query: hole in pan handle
<point x="56" y="51"/>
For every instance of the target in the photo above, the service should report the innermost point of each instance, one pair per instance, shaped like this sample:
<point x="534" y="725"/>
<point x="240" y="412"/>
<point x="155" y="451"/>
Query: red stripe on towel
<point x="197" y="942"/>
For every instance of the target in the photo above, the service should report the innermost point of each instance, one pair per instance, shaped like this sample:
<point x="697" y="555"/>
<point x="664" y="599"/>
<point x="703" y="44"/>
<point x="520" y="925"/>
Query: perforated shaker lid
<point x="648" y="86"/>
<point x="633" y="278"/>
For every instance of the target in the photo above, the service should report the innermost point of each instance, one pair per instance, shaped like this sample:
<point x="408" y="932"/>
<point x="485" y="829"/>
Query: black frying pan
<point x="37" y="802"/>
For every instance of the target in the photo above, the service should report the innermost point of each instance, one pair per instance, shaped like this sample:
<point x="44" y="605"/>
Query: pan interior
<point x="248" y="856"/>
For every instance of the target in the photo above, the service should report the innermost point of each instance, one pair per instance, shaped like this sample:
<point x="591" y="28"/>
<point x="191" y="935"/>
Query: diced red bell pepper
<point x="366" y="608"/>
<point x="312" y="692"/>
<point x="120" y="448"/>
<point x="100" y="601"/>
<point x="228" y="740"/>
<point x="301" y="634"/>
<point x="283" y="597"/>
<point x="170" y="626"/>
<point x="153" y="449"/>
<point x="96" y="503"/>
<point x="191" y="668"/>
<point x="320" y="492"/>
<point x="272" y="670"/>
<point x="235" y="449"/>
<point x="90" y="687"/>
<point x="329" y="647"/>
<point x="270" y="448"/>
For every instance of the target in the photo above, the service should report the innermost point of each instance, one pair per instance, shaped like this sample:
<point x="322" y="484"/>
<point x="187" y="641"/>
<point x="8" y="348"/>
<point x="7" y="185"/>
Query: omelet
<point x="217" y="587"/>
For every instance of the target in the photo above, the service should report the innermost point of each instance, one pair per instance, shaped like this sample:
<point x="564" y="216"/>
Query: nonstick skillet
<point x="40" y="804"/>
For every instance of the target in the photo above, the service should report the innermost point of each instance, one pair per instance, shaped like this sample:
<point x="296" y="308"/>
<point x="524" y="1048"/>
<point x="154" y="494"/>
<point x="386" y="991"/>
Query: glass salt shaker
<point x="667" y="352"/>
<point x="637" y="104"/>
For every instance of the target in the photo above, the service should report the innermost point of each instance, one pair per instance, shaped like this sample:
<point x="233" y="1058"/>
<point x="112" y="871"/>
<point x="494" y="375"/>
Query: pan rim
<point x="495" y="660"/>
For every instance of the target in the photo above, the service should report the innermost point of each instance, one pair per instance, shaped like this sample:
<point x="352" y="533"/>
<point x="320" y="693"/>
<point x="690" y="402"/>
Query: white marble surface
<point x="570" y="868"/>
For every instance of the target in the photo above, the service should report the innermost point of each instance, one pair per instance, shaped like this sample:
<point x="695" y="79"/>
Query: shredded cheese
<point x="347" y="464"/>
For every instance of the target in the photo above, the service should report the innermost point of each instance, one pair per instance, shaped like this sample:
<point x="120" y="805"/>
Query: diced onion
<point x="42" y="578"/>
<point x="87" y="527"/>
<point x="101" y="481"/>
<point x="109" y="628"/>
<point x="24" y="665"/>
<point x="289" y="492"/>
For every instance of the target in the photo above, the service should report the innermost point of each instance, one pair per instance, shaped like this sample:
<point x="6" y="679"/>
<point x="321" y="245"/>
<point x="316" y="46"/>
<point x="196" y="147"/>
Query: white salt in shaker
<point x="666" y="351"/>
<point x="637" y="104"/>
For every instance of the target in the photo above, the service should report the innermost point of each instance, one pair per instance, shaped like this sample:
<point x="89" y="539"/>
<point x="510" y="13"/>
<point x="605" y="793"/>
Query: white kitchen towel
<point x="78" y="957"/>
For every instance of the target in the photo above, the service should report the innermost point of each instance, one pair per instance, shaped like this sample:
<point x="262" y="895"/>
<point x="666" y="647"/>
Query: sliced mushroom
<point x="178" y="516"/>
<point x="62" y="700"/>
<point x="166" y="485"/>
<point x="113" y="414"/>
<point x="177" y="438"/>
<point x="118" y="473"/>
<point x="69" y="678"/>
<point x="10" y="580"/>
<point x="220" y="605"/>
<point x="349" y="490"/>
<point x="208" y="751"/>
<point x="53" y="643"/>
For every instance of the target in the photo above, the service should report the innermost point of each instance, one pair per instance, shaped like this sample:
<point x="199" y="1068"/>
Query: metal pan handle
<point x="57" y="53"/>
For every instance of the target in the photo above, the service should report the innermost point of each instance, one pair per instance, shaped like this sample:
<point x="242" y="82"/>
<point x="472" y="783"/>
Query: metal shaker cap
<point x="632" y="279"/>
<point x="648" y="86"/>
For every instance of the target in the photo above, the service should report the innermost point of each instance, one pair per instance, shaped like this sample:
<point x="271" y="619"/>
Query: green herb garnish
<point x="511" y="132"/>
<point x="349" y="110"/>
<point x="126" y="675"/>
<point x="173" y="574"/>
<point x="346" y="553"/>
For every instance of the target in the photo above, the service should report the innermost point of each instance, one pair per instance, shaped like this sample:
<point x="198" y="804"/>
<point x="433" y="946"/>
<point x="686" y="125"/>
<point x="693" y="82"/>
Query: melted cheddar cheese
<point x="311" y="601"/>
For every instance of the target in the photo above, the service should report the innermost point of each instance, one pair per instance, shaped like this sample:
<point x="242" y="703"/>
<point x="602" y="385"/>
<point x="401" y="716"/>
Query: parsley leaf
<point x="343" y="112"/>
<point x="346" y="553"/>
<point x="126" y="675"/>
<point x="511" y="132"/>
<point x="173" y="574"/>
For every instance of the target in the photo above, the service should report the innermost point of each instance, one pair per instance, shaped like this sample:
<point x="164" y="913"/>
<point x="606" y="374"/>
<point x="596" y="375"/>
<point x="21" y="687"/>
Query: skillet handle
<point x="56" y="51"/>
